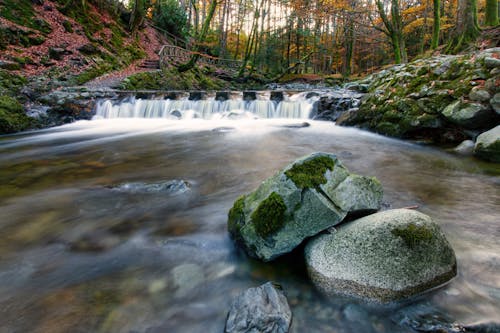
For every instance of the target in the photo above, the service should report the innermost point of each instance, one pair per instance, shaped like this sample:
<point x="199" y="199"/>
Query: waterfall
<point x="296" y="106"/>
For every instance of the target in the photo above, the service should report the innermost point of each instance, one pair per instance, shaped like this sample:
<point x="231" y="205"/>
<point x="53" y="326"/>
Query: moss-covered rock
<point x="311" y="173"/>
<point x="469" y="115"/>
<point x="382" y="257"/>
<point x="12" y="116"/>
<point x="269" y="216"/>
<point x="429" y="99"/>
<point x="413" y="234"/>
<point x="307" y="197"/>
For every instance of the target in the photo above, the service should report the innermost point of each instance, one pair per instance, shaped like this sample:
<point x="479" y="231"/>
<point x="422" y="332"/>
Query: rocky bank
<point x="442" y="100"/>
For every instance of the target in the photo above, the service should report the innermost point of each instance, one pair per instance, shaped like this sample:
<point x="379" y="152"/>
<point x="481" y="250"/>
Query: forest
<point x="320" y="36"/>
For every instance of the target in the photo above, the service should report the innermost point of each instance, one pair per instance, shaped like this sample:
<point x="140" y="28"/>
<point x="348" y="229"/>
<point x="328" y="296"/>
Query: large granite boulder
<point x="487" y="145"/>
<point x="261" y="309"/>
<point x="307" y="197"/>
<point x="382" y="257"/>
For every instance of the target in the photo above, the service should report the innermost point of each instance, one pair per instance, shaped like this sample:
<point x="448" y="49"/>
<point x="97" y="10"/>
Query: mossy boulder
<point x="305" y="198"/>
<point x="487" y="145"/>
<point x="12" y="116"/>
<point x="382" y="257"/>
<point x="469" y="115"/>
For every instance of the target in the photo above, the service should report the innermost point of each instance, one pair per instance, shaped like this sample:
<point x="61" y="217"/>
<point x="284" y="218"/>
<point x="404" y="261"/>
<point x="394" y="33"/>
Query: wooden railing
<point x="171" y="54"/>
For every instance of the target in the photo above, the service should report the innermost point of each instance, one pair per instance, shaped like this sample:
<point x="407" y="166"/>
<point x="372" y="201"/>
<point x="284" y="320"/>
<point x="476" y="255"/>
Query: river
<point x="119" y="225"/>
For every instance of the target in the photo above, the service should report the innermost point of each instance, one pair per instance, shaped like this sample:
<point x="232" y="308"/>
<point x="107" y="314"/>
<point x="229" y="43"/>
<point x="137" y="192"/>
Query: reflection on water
<point x="87" y="246"/>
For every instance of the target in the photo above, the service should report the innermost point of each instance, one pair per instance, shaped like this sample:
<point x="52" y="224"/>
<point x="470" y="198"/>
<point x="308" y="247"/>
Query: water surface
<point x="88" y="246"/>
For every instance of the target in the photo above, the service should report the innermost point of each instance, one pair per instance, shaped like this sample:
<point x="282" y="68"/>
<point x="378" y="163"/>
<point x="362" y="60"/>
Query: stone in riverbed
<point x="382" y="257"/>
<point x="487" y="145"/>
<point x="307" y="197"/>
<point x="465" y="148"/>
<point x="261" y="309"/>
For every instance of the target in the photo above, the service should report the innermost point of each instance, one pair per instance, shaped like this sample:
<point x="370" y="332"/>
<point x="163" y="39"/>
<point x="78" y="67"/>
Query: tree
<point x="436" y="25"/>
<point x="466" y="28"/>
<point x="491" y="18"/>
<point x="393" y="29"/>
<point x="138" y="14"/>
<point x="169" y="16"/>
<point x="200" y="38"/>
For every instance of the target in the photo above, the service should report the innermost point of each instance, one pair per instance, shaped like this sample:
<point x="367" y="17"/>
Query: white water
<point x="296" y="106"/>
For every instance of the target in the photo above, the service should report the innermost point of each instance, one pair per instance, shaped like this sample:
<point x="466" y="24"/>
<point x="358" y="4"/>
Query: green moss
<point x="171" y="79"/>
<point x="11" y="84"/>
<point x="388" y="128"/>
<point x="68" y="27"/>
<point x="12" y="116"/>
<point x="269" y="217"/>
<point x="310" y="173"/>
<point x="413" y="235"/>
<point x="236" y="216"/>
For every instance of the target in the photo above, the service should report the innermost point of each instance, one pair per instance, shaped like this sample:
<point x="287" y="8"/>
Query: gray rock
<point x="468" y="115"/>
<point x="495" y="103"/>
<point x="479" y="95"/>
<point x="426" y="318"/>
<point x="491" y="62"/>
<point x="488" y="145"/>
<point x="263" y="309"/>
<point x="382" y="257"/>
<point x="169" y="187"/>
<point x="300" y="201"/>
<point x="465" y="148"/>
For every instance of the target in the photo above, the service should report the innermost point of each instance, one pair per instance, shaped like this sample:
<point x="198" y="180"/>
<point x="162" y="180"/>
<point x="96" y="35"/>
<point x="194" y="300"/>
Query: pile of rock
<point x="443" y="99"/>
<point x="381" y="257"/>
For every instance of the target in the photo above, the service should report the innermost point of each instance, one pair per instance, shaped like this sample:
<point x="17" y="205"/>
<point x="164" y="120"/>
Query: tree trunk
<point x="491" y="18"/>
<point x="349" y="46"/>
<point x="436" y="26"/>
<point x="201" y="38"/>
<point x="137" y="16"/>
<point x="467" y="29"/>
<point x="394" y="30"/>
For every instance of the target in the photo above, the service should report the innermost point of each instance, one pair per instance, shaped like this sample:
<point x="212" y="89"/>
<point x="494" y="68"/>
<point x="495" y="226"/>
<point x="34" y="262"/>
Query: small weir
<point x="215" y="105"/>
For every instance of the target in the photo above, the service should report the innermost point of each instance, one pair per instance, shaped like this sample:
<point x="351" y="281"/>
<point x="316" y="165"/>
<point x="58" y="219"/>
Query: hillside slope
<point x="68" y="43"/>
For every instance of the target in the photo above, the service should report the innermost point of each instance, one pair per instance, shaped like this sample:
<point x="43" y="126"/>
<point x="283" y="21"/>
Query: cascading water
<point x="296" y="106"/>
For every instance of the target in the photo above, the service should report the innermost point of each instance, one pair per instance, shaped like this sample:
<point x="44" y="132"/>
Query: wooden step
<point x="149" y="63"/>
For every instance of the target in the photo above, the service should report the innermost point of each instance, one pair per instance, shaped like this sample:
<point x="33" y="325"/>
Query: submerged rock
<point x="382" y="257"/>
<point x="307" y="197"/>
<point x="297" y="125"/>
<point x="263" y="309"/>
<point x="488" y="145"/>
<point x="426" y="318"/>
<point x="169" y="187"/>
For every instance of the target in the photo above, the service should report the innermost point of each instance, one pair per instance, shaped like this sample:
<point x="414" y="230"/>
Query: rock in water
<point x="307" y="197"/>
<point x="263" y="309"/>
<point x="488" y="145"/>
<point x="382" y="257"/>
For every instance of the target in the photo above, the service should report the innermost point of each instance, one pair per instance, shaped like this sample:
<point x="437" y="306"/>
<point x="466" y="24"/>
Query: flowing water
<point x="294" y="106"/>
<point x="119" y="225"/>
